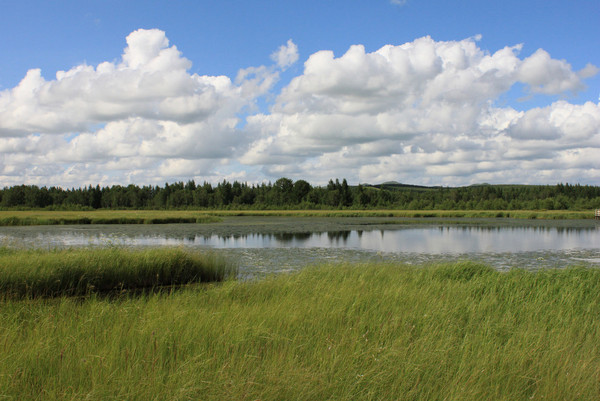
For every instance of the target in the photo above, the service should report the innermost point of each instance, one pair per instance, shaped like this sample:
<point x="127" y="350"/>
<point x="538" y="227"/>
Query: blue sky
<point x="220" y="37"/>
<point x="269" y="137"/>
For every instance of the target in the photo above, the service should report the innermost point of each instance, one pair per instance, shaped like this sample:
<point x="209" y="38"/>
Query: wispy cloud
<point x="286" y="55"/>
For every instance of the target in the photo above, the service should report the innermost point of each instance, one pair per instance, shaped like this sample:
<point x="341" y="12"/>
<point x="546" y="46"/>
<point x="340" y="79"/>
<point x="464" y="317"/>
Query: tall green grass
<point x="345" y="332"/>
<point x="76" y="272"/>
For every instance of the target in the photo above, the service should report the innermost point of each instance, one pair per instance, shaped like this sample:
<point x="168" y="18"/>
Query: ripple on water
<point x="257" y="262"/>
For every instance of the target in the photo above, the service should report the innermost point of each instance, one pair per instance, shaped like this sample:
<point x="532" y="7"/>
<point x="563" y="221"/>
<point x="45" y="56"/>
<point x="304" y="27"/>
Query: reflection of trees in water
<point x="338" y="235"/>
<point x="287" y="237"/>
<point x="535" y="229"/>
<point x="332" y="236"/>
<point x="279" y="237"/>
<point x="290" y="237"/>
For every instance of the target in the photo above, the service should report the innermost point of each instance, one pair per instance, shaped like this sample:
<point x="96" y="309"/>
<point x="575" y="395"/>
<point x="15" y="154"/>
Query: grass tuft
<point x="464" y="271"/>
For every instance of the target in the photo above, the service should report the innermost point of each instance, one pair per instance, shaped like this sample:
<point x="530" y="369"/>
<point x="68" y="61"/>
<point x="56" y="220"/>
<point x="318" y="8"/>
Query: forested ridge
<point x="287" y="194"/>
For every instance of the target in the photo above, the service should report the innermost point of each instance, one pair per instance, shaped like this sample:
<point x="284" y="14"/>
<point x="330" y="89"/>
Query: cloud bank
<point x="424" y="112"/>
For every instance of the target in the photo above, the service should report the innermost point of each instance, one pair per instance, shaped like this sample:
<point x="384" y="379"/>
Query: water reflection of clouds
<point x="432" y="240"/>
<point x="417" y="239"/>
<point x="460" y="240"/>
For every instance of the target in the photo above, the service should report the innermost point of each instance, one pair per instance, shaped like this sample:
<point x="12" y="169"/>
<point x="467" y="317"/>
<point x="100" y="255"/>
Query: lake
<point x="270" y="244"/>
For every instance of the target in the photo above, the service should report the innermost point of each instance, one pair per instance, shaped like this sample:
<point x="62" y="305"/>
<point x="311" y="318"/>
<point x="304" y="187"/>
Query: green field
<point x="41" y="217"/>
<point x="344" y="332"/>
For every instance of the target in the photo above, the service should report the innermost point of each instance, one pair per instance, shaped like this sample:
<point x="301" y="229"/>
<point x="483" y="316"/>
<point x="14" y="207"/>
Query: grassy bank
<point x="77" y="272"/>
<point x="41" y="217"/>
<point x="362" y="332"/>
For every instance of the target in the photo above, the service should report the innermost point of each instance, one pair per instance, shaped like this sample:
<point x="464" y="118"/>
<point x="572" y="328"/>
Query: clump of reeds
<point x="76" y="272"/>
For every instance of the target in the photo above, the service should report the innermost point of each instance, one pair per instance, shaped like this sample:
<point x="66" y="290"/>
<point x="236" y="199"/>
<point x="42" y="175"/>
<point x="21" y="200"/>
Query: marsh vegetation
<point x="81" y="272"/>
<point x="40" y="217"/>
<point x="346" y="332"/>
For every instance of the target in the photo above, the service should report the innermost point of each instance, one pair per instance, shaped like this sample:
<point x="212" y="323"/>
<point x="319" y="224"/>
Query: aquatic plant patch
<point x="77" y="272"/>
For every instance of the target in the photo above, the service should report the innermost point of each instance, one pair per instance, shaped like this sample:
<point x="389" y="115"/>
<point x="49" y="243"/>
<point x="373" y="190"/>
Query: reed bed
<point x="78" y="272"/>
<point x="345" y="332"/>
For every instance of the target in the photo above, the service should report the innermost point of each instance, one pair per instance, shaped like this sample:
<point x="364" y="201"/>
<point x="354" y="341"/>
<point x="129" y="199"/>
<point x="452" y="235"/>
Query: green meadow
<point x="342" y="331"/>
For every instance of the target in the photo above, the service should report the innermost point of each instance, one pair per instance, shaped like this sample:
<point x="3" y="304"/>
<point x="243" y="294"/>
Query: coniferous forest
<point x="287" y="194"/>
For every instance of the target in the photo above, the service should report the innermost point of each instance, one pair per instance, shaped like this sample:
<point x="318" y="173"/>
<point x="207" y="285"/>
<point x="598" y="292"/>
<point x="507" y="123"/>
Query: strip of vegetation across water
<point x="42" y="217"/>
<point x="345" y="332"/>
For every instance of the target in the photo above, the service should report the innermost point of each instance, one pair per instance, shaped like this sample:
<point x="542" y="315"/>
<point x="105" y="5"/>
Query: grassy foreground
<point x="44" y="217"/>
<point x="361" y="332"/>
<point x="77" y="272"/>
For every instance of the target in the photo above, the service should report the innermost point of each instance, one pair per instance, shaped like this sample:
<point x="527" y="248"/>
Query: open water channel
<point x="272" y="244"/>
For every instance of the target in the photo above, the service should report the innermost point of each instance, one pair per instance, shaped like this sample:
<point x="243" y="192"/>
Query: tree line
<point x="288" y="194"/>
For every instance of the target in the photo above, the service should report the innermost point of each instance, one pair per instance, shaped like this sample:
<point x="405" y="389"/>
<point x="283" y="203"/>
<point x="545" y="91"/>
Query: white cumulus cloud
<point x="136" y="113"/>
<point x="422" y="112"/>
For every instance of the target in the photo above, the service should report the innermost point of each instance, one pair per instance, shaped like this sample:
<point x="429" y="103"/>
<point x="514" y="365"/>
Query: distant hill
<point x="391" y="185"/>
<point x="398" y="185"/>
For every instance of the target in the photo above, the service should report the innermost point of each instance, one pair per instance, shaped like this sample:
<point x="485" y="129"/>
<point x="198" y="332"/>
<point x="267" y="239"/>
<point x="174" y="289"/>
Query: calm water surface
<point x="263" y="245"/>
